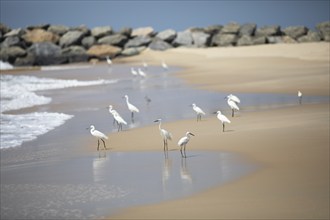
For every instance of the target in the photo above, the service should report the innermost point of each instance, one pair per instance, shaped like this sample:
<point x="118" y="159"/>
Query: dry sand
<point x="291" y="144"/>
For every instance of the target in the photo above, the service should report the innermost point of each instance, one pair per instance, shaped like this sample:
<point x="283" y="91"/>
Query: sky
<point x="161" y="15"/>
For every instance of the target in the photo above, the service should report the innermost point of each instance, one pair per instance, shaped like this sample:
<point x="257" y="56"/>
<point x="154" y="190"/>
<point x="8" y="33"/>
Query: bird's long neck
<point x="159" y="125"/>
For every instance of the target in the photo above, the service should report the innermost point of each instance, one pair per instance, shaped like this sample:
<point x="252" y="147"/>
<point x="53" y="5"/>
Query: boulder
<point x="270" y="30"/>
<point x="4" y="29"/>
<point x="99" y="32"/>
<point x="75" y="54"/>
<point x="230" y="28"/>
<point x="131" y="51"/>
<point x="324" y="29"/>
<point x="116" y="39"/>
<point x="158" y="44"/>
<point x="87" y="42"/>
<point x="311" y="36"/>
<point x="11" y="53"/>
<point x="167" y="35"/>
<point x="126" y="31"/>
<point x="213" y="29"/>
<point x="224" y="40"/>
<point x="288" y="40"/>
<point x="245" y="40"/>
<point x="46" y="53"/>
<point x="259" y="40"/>
<point x="58" y="29"/>
<point x="40" y="35"/>
<point x="143" y="31"/>
<point x="274" y="39"/>
<point x="183" y="38"/>
<point x="11" y="41"/>
<point x="201" y="39"/>
<point x="38" y="26"/>
<point x="104" y="50"/>
<point x="28" y="60"/>
<point x="295" y="31"/>
<point x="247" y="29"/>
<point x="138" y="41"/>
<point x="15" y="32"/>
<point x="71" y="38"/>
<point x="83" y="29"/>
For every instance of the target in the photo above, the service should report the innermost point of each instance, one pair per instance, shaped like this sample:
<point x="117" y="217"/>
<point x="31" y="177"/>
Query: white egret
<point x="164" y="65"/>
<point x="300" y="97"/>
<point x="223" y="119"/>
<point x="117" y="118"/>
<point x="109" y="61"/>
<point x="131" y="107"/>
<point x="234" y="98"/>
<point x="183" y="142"/>
<point x="134" y="72"/>
<point x="232" y="102"/>
<point x="164" y="134"/>
<point x="198" y="111"/>
<point x="99" y="135"/>
<point x="141" y="73"/>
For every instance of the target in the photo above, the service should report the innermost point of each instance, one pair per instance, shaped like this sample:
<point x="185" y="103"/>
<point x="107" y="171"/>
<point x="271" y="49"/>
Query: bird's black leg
<point x="104" y="144"/>
<point x="132" y="117"/>
<point x="232" y="113"/>
<point x="181" y="152"/>
<point x="184" y="150"/>
<point x="98" y="144"/>
<point x="223" y="127"/>
<point x="164" y="144"/>
<point x="300" y="100"/>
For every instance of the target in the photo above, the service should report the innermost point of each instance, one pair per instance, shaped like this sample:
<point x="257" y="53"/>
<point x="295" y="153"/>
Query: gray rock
<point x="58" y="29"/>
<point x="75" y="54"/>
<point x="311" y="36"/>
<point x="46" y="53"/>
<point x="4" y="29"/>
<point x="131" y="51"/>
<point x="71" y="38"/>
<point x="259" y="40"/>
<point x="224" y="40"/>
<point x="83" y="29"/>
<point x="245" y="40"/>
<point x="87" y="42"/>
<point x="295" y="31"/>
<point x="28" y="60"/>
<point x="158" y="44"/>
<point x="271" y="30"/>
<point x="15" y="32"/>
<point x="231" y="28"/>
<point x="11" y="41"/>
<point x="99" y="32"/>
<point x="126" y="31"/>
<point x="11" y="53"/>
<point x="324" y="29"/>
<point x="274" y="39"/>
<point x="213" y="29"/>
<point x="167" y="35"/>
<point x="138" y="41"/>
<point x="183" y="38"/>
<point x="201" y="39"/>
<point x="247" y="29"/>
<point x="116" y="39"/>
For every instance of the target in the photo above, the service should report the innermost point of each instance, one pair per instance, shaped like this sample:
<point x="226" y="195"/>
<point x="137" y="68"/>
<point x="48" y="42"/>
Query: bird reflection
<point x="99" y="164"/>
<point x="166" y="171"/>
<point x="184" y="172"/>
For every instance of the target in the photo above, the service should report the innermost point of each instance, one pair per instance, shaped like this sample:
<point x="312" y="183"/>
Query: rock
<point x="11" y="53"/>
<point x="75" y="54"/>
<point x="11" y="41"/>
<point x="247" y="29"/>
<point x="28" y="60"/>
<point x="324" y="29"/>
<point x="4" y="29"/>
<point x="259" y="40"/>
<point x="58" y="29"/>
<point x="245" y="40"/>
<point x="288" y="40"/>
<point x="104" y="50"/>
<point x="131" y="51"/>
<point x="213" y="29"/>
<point x="15" y="32"/>
<point x="138" y="41"/>
<point x="224" y="40"/>
<point x="40" y="35"/>
<point x="83" y="29"/>
<point x="231" y="28"/>
<point x="116" y="39"/>
<point x="39" y="26"/>
<point x="295" y="31"/>
<point x="274" y="39"/>
<point x="158" y="44"/>
<point x="126" y="31"/>
<point x="87" y="42"/>
<point x="271" y="30"/>
<point x="143" y="31"/>
<point x="46" y="53"/>
<point x="167" y="35"/>
<point x="99" y="32"/>
<point x="71" y="38"/>
<point x="183" y="38"/>
<point x="201" y="39"/>
<point x="311" y="36"/>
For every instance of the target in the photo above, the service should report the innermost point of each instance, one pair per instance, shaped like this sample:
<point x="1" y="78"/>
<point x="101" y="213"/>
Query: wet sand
<point x="291" y="143"/>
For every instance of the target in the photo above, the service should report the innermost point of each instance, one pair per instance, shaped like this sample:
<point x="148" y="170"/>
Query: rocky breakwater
<point x="57" y="44"/>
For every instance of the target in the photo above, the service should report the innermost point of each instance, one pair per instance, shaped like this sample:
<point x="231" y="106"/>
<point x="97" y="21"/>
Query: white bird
<point x="99" y="135"/>
<point x="145" y="65"/>
<point x="223" y="119"/>
<point x="164" y="134"/>
<point x="134" y="72"/>
<point x="109" y="61"/>
<point x="232" y="102"/>
<point x="164" y="65"/>
<point x="141" y="73"/>
<point x="183" y="142"/>
<point x="131" y="107"/>
<point x="117" y="118"/>
<point x="300" y="97"/>
<point x="198" y="111"/>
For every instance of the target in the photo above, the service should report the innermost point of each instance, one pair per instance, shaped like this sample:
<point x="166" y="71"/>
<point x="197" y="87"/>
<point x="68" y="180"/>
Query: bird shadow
<point x="228" y="131"/>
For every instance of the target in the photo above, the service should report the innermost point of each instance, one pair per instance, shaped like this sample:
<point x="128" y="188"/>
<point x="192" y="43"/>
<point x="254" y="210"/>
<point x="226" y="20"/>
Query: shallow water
<point x="99" y="185"/>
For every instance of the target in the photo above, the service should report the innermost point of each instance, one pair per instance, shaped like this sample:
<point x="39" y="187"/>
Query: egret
<point x="198" y="111"/>
<point x="164" y="134"/>
<point x="232" y="102"/>
<point x="99" y="135"/>
<point x="164" y="65"/>
<point x="223" y="119"/>
<point x="117" y="118"/>
<point x="141" y="73"/>
<point x="134" y="72"/>
<point x="131" y="107"/>
<point x="183" y="142"/>
<point x="300" y="97"/>
<point x="234" y="98"/>
<point x="109" y="61"/>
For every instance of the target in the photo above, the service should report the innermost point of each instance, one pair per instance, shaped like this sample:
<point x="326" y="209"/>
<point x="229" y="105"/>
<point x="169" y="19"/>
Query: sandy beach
<point x="291" y="144"/>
